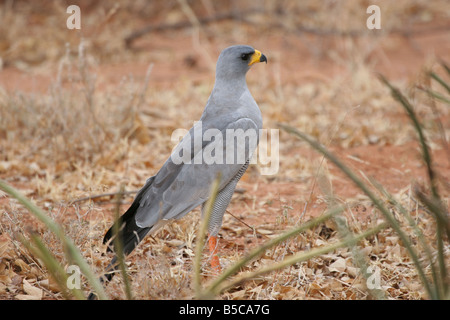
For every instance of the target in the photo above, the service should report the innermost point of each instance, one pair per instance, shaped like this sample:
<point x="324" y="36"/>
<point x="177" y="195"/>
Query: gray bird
<point x="220" y="144"/>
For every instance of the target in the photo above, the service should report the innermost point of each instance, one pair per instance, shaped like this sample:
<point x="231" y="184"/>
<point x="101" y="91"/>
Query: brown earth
<point x="263" y="201"/>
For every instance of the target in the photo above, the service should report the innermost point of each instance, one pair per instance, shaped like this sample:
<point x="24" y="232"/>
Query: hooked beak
<point x="257" y="57"/>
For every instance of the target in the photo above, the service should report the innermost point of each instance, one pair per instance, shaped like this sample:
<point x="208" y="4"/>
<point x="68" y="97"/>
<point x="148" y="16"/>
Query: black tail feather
<point x="130" y="234"/>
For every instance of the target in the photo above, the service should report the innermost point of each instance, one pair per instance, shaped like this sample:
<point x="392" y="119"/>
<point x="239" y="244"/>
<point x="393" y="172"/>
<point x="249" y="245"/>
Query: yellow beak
<point x="257" y="57"/>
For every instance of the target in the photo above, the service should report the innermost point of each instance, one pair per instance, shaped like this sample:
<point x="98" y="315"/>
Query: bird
<point x="217" y="148"/>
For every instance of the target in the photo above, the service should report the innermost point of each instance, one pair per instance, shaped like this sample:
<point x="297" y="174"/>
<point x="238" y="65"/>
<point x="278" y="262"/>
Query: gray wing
<point x="178" y="188"/>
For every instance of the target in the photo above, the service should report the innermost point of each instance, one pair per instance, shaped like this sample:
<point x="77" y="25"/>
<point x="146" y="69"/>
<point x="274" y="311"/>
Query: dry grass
<point x="84" y="134"/>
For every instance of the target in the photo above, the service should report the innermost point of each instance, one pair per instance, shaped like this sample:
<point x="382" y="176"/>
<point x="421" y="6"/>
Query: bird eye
<point x="245" y="56"/>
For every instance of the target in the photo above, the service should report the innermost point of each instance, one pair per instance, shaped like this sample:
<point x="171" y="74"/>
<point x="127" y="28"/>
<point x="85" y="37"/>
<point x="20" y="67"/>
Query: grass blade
<point x="118" y="247"/>
<point x="440" y="81"/>
<point x="377" y="202"/>
<point x="71" y="251"/>
<point x="303" y="256"/>
<point x="441" y="218"/>
<point x="212" y="288"/>
<point x="54" y="268"/>
<point x="425" y="150"/>
<point x="436" y="95"/>
<point x="444" y="65"/>
<point x="201" y="237"/>
<point x="413" y="224"/>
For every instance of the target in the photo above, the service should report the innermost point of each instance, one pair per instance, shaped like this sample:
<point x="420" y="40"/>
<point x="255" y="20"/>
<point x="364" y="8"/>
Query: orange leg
<point x="215" y="263"/>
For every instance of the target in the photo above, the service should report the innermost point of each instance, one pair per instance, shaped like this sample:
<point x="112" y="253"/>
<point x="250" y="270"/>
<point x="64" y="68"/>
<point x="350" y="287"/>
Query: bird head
<point x="235" y="61"/>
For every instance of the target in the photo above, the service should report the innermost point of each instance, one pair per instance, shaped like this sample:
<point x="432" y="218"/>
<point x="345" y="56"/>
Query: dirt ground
<point x="307" y="74"/>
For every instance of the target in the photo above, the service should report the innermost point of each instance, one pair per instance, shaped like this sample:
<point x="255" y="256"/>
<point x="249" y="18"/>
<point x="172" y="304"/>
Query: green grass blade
<point x="413" y="224"/>
<point x="303" y="256"/>
<point x="201" y="238"/>
<point x="118" y="246"/>
<point x="441" y="223"/>
<point x="436" y="95"/>
<point x="54" y="268"/>
<point x="72" y="252"/>
<point x="212" y="288"/>
<point x="440" y="81"/>
<point x="412" y="115"/>
<point x="377" y="202"/>
<point x="347" y="235"/>
<point x="444" y="65"/>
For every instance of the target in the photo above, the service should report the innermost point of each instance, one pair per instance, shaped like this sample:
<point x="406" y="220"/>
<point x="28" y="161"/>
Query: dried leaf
<point x="50" y="284"/>
<point x="22" y="265"/>
<point x="352" y="271"/>
<point x="175" y="243"/>
<point x="5" y="247"/>
<point x="340" y="265"/>
<point x="238" y="295"/>
<point x="2" y="288"/>
<point x="26" y="297"/>
<point x="33" y="292"/>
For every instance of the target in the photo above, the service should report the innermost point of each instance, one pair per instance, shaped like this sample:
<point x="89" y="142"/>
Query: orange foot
<point x="215" y="263"/>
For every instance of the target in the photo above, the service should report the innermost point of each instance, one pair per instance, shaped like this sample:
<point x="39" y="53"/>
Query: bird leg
<point x="215" y="263"/>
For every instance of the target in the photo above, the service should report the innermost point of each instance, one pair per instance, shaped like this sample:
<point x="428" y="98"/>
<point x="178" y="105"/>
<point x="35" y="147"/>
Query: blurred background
<point x="84" y="111"/>
<point x="137" y="70"/>
<point x="301" y="37"/>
